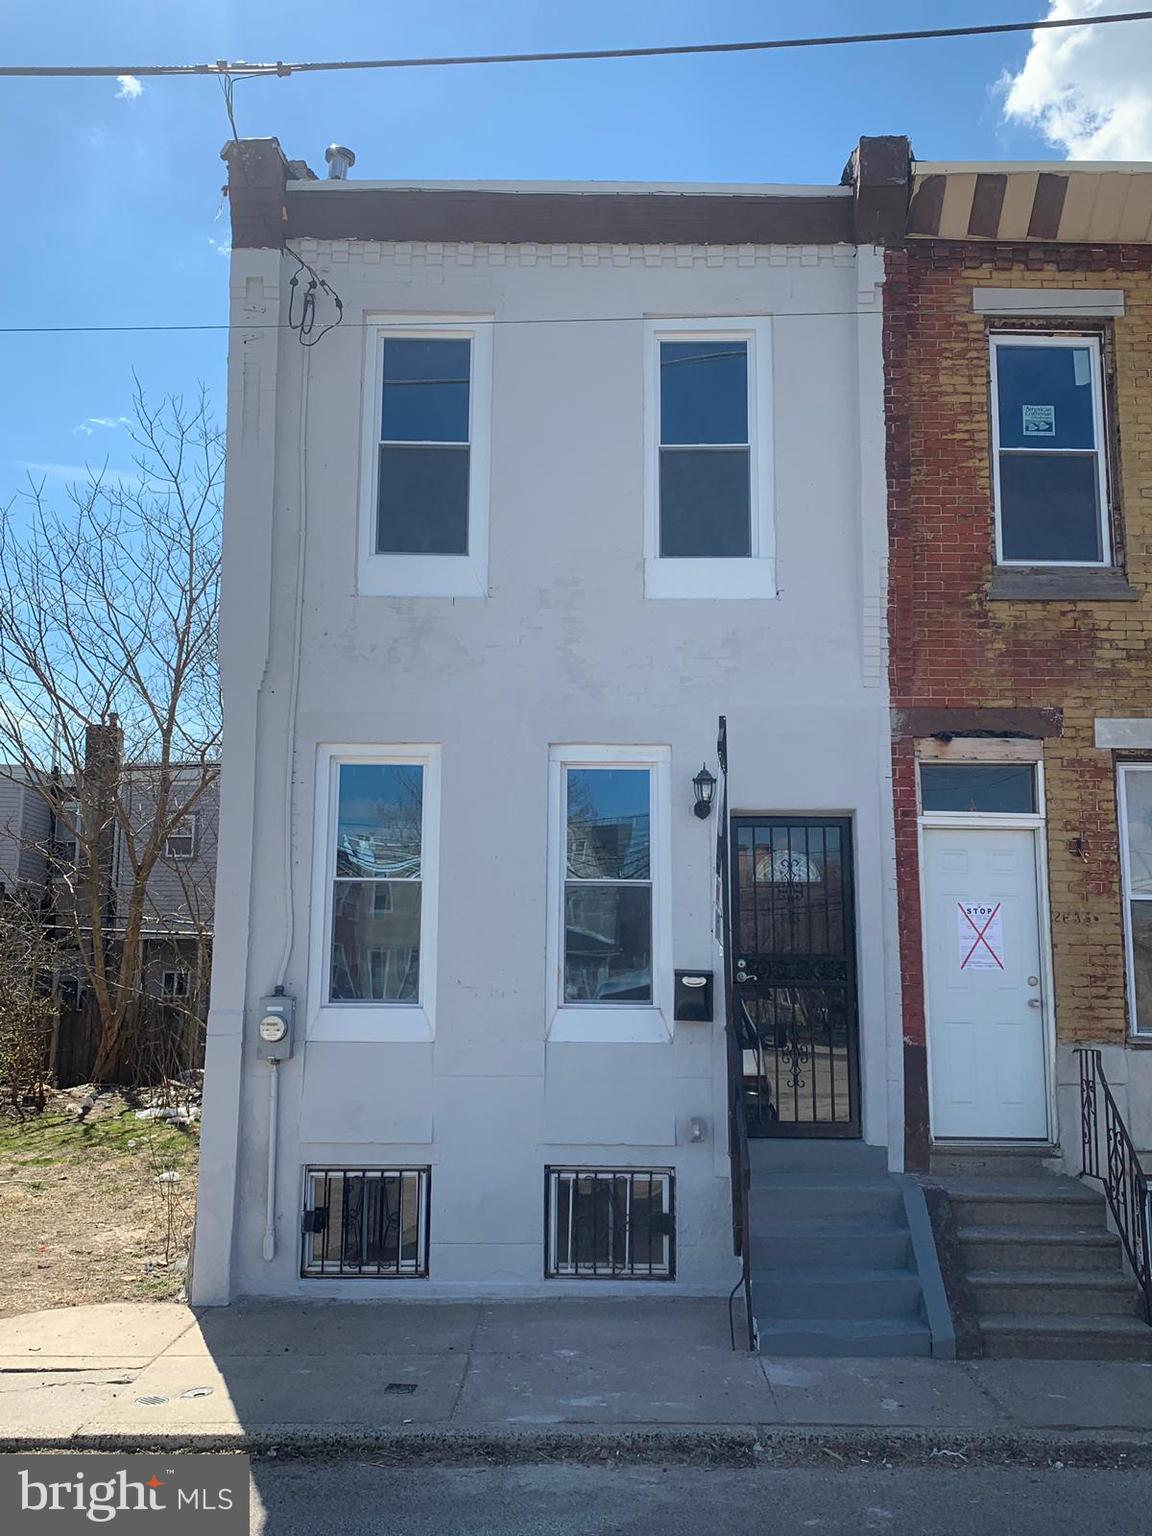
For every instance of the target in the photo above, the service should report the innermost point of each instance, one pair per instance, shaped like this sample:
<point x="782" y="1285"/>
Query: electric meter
<point x="274" y="1031"/>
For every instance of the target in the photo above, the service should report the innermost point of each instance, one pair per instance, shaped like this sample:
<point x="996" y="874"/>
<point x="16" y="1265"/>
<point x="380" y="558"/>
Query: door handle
<point x="1035" y="1002"/>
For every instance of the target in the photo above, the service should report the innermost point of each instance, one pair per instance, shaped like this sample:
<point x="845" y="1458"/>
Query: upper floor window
<point x="609" y="930"/>
<point x="373" y="851"/>
<point x="181" y="841"/>
<point x="1050" y="451"/>
<point x="709" y="428"/>
<point x="425" y="495"/>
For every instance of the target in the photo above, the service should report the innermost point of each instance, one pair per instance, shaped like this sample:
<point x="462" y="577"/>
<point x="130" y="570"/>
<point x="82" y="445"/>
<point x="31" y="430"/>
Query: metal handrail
<point x="1119" y="1171"/>
<point x="740" y="1169"/>
<point x="741" y="1179"/>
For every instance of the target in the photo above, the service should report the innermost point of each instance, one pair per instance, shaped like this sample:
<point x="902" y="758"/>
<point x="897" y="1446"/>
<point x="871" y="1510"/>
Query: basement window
<point x="366" y="1222"/>
<point x="1049" y="447"/>
<point x="611" y="1223"/>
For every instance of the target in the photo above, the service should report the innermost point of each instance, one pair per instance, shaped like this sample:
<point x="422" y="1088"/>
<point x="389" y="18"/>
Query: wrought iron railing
<point x="741" y="1179"/>
<point x="1109" y="1156"/>
<point x="738" y="1160"/>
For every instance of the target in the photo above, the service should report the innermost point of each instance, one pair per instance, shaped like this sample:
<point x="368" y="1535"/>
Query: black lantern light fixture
<point x="705" y="787"/>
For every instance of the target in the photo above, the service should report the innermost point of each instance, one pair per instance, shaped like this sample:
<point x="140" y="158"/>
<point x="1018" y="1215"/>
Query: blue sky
<point x="114" y="209"/>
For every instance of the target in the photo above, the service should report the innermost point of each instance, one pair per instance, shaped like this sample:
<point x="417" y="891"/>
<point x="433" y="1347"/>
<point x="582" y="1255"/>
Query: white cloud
<point x="221" y="247"/>
<point x="81" y="474"/>
<point x="92" y="424"/>
<point x="1088" y="90"/>
<point x="130" y="88"/>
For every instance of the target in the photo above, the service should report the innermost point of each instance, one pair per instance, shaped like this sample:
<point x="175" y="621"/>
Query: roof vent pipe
<point x="340" y="162"/>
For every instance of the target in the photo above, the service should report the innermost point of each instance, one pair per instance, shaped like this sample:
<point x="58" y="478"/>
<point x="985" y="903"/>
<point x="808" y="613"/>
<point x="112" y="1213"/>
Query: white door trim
<point x="976" y="821"/>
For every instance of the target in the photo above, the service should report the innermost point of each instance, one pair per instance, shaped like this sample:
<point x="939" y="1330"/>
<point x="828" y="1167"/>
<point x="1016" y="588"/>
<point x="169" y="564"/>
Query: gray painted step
<point x="1066" y="1293"/>
<point x="839" y="1294"/>
<point x="823" y="1199"/>
<point x="1031" y="1248"/>
<point x="1011" y="1336"/>
<point x="1038" y="1203"/>
<point x="829" y="1340"/>
<point x="768" y="1155"/>
<point x="812" y="1245"/>
<point x="1003" y="1160"/>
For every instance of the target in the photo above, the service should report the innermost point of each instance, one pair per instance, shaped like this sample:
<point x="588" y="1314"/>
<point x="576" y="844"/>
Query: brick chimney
<point x="103" y="762"/>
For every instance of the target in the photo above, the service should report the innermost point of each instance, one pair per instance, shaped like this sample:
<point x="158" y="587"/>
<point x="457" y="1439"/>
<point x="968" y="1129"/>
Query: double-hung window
<point x="609" y="908"/>
<point x="709" y="492"/>
<point x="425" y="495"/>
<point x="373" y="967"/>
<point x="181" y="841"/>
<point x="1135" y="803"/>
<point x="1049" y="447"/>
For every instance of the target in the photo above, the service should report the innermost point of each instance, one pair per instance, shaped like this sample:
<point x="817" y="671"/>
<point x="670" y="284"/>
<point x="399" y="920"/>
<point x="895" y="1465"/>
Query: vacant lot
<point x="93" y="1209"/>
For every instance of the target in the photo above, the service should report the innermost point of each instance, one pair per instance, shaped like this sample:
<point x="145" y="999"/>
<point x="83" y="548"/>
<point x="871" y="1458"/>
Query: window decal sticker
<point x="1039" y="420"/>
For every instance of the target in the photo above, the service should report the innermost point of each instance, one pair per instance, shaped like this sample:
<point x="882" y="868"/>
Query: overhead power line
<point x="316" y="66"/>
<point x="1078" y="309"/>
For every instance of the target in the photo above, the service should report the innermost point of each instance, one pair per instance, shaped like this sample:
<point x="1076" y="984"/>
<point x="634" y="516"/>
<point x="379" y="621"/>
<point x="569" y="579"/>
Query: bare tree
<point x="109" y="696"/>
<point x="28" y="1007"/>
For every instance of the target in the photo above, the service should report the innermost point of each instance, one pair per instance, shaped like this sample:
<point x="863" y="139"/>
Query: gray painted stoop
<point x="843" y="1259"/>
<point x="1044" y="1276"/>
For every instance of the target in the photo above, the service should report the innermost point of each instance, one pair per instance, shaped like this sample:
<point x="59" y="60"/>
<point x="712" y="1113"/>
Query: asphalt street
<point x="315" y="1499"/>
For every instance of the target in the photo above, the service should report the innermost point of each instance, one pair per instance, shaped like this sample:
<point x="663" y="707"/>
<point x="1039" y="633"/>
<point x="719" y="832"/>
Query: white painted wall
<point x="564" y="648"/>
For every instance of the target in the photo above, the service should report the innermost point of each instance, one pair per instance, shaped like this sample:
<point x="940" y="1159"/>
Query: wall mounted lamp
<point x="704" y="786"/>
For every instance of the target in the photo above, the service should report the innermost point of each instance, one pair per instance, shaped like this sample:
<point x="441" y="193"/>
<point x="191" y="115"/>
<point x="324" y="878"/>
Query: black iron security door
<point x="794" y="974"/>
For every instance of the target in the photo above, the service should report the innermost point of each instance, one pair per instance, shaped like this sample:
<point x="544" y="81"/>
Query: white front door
<point x="986" y="1007"/>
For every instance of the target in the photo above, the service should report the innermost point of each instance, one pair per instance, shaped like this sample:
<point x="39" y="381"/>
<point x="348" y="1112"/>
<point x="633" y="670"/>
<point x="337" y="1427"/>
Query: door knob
<point x="1035" y="1002"/>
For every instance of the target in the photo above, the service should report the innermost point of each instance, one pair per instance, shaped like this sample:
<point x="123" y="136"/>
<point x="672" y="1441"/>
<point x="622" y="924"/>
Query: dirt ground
<point x="89" y="1210"/>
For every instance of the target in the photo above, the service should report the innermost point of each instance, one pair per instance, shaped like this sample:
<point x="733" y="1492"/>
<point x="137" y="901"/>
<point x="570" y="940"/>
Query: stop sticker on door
<point x="980" y="930"/>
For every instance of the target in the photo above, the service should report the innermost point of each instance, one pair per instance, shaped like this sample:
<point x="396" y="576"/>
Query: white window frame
<point x="573" y="1270"/>
<point x="190" y="823"/>
<point x="1063" y="339"/>
<point x="611" y="1022"/>
<point x="167" y="991"/>
<point x="716" y="576"/>
<point x="391" y="575"/>
<point x="313" y="1268"/>
<point x="372" y="1019"/>
<point x="1122" y="772"/>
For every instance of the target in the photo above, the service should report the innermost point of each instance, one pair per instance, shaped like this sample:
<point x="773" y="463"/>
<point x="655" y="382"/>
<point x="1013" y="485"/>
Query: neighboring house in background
<point x="584" y="467"/>
<point x="39" y="857"/>
<point x="1018" y="345"/>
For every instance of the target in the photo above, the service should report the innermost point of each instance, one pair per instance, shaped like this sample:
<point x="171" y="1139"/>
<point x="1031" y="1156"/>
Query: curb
<point x="690" y="1445"/>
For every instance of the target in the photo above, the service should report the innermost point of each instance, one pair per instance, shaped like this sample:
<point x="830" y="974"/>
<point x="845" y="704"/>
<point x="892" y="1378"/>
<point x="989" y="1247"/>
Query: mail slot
<point x="693" y="1002"/>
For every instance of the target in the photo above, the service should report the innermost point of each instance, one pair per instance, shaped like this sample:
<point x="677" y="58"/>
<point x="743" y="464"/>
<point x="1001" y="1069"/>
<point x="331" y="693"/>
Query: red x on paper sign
<point x="981" y="934"/>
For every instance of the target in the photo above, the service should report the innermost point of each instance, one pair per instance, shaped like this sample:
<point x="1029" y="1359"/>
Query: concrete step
<point x="1054" y="1293"/>
<point x="799" y="1337"/>
<point x="1016" y="1337"/>
<point x="1024" y="1203"/>
<point x="811" y="1245"/>
<point x="768" y="1155"/>
<point x="1035" y="1248"/>
<point x="996" y="1159"/>
<point x="823" y="1199"/>
<point x="837" y="1294"/>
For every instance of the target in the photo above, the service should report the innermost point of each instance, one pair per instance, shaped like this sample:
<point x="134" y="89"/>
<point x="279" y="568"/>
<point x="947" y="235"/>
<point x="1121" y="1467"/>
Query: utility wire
<point x="1083" y="309"/>
<point x="280" y="68"/>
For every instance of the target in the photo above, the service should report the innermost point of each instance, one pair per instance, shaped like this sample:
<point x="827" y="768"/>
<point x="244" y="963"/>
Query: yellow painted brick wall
<point x="952" y="647"/>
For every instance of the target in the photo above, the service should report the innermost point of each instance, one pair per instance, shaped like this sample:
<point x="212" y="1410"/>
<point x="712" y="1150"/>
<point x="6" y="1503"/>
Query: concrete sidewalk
<point x="522" y="1380"/>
